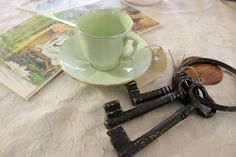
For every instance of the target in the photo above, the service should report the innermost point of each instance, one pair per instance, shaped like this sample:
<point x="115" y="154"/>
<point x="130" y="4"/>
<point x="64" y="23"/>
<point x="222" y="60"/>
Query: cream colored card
<point x="28" y="54"/>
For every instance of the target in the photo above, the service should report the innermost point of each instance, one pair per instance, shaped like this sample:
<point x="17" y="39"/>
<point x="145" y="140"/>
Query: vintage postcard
<point x="51" y="6"/>
<point x="142" y="22"/>
<point x="28" y="54"/>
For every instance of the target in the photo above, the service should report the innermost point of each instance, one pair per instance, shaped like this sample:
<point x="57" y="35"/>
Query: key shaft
<point x="124" y="116"/>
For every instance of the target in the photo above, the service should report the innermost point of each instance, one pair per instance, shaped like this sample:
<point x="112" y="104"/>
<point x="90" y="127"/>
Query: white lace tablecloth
<point x="65" y="119"/>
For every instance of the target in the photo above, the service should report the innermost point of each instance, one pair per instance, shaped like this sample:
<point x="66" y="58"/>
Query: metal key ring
<point x="206" y="102"/>
<point x="178" y="83"/>
<point x="204" y="111"/>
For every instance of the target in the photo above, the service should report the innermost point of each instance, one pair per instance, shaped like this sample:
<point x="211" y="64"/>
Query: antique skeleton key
<point x="126" y="148"/>
<point x="115" y="115"/>
<point x="137" y="97"/>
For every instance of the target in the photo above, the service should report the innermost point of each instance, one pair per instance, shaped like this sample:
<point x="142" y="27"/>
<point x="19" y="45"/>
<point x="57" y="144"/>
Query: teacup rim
<point x="104" y="37"/>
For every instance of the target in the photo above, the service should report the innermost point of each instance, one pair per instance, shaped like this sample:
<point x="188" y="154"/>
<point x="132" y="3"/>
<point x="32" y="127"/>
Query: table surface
<point x="66" y="117"/>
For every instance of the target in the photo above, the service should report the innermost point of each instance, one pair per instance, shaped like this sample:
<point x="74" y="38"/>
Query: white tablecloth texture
<point x="65" y="119"/>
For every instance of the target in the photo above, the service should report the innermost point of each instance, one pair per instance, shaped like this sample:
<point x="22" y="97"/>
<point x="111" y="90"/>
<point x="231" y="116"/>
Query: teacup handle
<point x="134" y="44"/>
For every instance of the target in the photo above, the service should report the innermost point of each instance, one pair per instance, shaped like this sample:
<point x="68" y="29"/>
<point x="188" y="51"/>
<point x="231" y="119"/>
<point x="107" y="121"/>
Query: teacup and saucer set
<point x="104" y="50"/>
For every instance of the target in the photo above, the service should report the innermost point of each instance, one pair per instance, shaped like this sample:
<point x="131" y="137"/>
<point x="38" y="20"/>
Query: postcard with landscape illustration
<point x="52" y="6"/>
<point x="142" y="22"/>
<point x="28" y="54"/>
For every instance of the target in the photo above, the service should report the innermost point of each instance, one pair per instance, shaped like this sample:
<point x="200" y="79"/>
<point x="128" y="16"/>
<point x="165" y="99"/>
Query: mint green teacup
<point x="103" y="36"/>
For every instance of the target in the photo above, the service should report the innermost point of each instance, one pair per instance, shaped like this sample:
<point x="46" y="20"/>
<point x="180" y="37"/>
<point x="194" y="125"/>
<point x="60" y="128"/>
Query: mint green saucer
<point x="74" y="63"/>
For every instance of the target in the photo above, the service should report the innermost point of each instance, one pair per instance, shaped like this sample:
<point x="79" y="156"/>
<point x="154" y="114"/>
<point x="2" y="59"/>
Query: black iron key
<point x="136" y="97"/>
<point x="126" y="148"/>
<point x="115" y="115"/>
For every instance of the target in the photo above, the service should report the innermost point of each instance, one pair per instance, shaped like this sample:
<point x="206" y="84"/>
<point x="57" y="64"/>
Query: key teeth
<point x="120" y="141"/>
<point x="132" y="85"/>
<point x="132" y="88"/>
<point x="106" y="106"/>
<point x="107" y="124"/>
<point x="112" y="108"/>
<point x="133" y="91"/>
